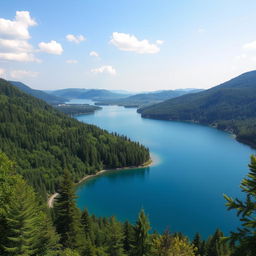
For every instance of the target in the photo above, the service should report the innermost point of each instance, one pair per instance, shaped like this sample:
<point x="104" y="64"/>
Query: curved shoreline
<point x="150" y="162"/>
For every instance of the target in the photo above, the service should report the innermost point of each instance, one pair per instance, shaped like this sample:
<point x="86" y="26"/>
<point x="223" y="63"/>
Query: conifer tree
<point x="141" y="244"/>
<point x="86" y="223"/>
<point x="246" y="209"/>
<point x="216" y="246"/>
<point x="128" y="237"/>
<point x="22" y="221"/>
<point x="67" y="221"/>
<point x="115" y="237"/>
<point x="197" y="243"/>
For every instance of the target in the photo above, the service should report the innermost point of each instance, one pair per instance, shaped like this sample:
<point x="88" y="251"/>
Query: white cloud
<point x="76" y="39"/>
<point x="127" y="42"/>
<point x="94" y="54"/>
<point x="159" y="42"/>
<point x="17" y="28"/>
<point x="250" y="46"/>
<point x="22" y="56"/>
<point x="104" y="69"/>
<point x="2" y="72"/>
<point x="18" y="74"/>
<point x="52" y="47"/>
<point x="71" y="61"/>
<point x="14" y="35"/>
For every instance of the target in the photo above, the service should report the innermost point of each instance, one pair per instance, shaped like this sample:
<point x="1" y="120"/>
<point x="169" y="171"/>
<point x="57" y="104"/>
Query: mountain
<point x="93" y="94"/>
<point x="229" y="106"/>
<point x="51" y="99"/>
<point x="43" y="142"/>
<point x="144" y="99"/>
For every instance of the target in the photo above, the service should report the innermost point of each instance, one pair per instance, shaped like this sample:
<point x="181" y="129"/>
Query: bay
<point x="194" y="166"/>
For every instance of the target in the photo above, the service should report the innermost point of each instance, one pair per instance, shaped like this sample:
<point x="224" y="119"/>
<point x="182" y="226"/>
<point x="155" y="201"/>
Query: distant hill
<point x="51" y="99"/>
<point x="229" y="106"/>
<point x="93" y="94"/>
<point x="144" y="99"/>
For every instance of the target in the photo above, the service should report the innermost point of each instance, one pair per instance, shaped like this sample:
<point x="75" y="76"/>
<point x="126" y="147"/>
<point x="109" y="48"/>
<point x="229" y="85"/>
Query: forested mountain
<point x="149" y="98"/>
<point x="230" y="106"/>
<point x="92" y="94"/>
<point x="51" y="99"/>
<point x="43" y="142"/>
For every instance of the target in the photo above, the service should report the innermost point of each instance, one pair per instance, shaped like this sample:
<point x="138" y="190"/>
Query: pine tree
<point x="86" y="223"/>
<point x="246" y="209"/>
<point x="141" y="244"/>
<point x="22" y="220"/>
<point x="115" y="237"/>
<point x="216" y="245"/>
<point x="197" y="243"/>
<point x="128" y="237"/>
<point x="67" y="221"/>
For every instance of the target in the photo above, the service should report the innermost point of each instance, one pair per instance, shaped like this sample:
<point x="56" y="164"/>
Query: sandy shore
<point x="149" y="163"/>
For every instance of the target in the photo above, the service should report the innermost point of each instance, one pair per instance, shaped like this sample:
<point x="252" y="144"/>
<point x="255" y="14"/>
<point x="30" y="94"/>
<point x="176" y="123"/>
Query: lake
<point x="193" y="167"/>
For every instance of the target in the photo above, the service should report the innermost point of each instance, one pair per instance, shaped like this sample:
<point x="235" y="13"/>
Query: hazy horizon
<point x="129" y="45"/>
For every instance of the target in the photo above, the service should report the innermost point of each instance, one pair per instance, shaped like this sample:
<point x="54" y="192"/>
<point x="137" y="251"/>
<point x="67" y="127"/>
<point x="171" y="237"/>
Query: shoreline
<point x="150" y="162"/>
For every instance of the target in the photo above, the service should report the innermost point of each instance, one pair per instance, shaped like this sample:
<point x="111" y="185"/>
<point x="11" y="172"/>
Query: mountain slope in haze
<point x="144" y="99"/>
<point x="51" y="99"/>
<point x="92" y="94"/>
<point x="43" y="142"/>
<point x="229" y="106"/>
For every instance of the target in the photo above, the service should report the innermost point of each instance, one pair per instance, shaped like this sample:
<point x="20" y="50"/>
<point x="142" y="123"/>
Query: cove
<point x="183" y="191"/>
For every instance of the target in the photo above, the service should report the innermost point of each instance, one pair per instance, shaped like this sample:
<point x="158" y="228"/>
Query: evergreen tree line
<point x="43" y="142"/>
<point x="28" y="227"/>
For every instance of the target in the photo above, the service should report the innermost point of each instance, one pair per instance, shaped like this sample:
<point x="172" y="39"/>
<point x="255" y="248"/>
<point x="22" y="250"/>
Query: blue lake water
<point x="183" y="190"/>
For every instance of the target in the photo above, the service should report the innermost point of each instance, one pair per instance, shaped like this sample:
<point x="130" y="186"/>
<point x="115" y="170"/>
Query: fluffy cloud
<point x="104" y="69"/>
<point x="2" y="72"/>
<point x="126" y="42"/>
<point x="17" y="28"/>
<point x="52" y="47"/>
<point x="71" y="61"/>
<point x="18" y="74"/>
<point x="250" y="46"/>
<point x="94" y="54"/>
<point x="14" y="35"/>
<point x="76" y="39"/>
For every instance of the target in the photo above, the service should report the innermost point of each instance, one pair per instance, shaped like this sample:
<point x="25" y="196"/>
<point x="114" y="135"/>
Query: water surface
<point x="184" y="190"/>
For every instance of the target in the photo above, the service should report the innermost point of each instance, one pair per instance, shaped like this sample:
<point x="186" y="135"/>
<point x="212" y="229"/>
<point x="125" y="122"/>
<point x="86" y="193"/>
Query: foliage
<point x="43" y="141"/>
<point x="246" y="210"/>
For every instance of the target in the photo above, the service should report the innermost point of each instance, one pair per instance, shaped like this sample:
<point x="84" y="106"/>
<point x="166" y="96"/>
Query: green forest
<point x="43" y="142"/>
<point x="28" y="227"/>
<point x="230" y="106"/>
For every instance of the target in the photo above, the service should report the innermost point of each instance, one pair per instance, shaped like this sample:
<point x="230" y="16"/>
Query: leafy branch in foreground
<point x="245" y="237"/>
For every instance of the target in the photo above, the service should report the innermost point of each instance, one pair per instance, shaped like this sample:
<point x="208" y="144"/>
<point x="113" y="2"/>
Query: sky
<point x="134" y="45"/>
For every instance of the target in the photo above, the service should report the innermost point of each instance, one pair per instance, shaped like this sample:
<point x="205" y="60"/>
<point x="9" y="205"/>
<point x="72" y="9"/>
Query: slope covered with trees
<point x="28" y="228"/>
<point x="51" y="99"/>
<point x="43" y="142"/>
<point x="230" y="106"/>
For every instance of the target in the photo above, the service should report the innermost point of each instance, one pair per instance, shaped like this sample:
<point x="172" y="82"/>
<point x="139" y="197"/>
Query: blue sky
<point x="132" y="45"/>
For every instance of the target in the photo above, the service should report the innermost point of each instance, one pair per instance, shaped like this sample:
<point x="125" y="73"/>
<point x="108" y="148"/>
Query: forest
<point x="28" y="227"/>
<point x="230" y="106"/>
<point x="43" y="142"/>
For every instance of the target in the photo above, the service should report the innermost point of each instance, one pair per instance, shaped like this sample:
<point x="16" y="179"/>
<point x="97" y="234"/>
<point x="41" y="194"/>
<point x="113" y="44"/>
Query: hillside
<point x="230" y="106"/>
<point x="51" y="99"/>
<point x="92" y="94"/>
<point x="43" y="142"/>
<point x="144" y="99"/>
